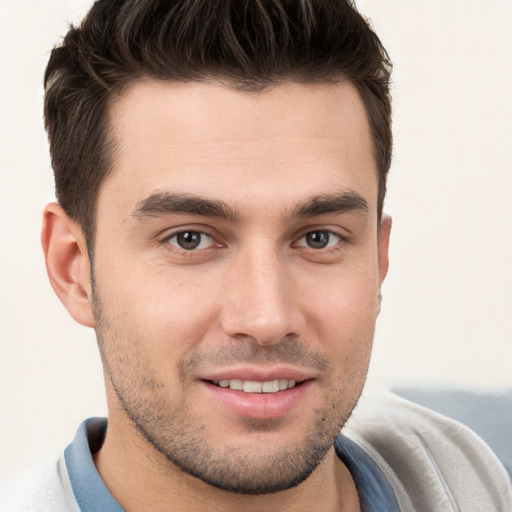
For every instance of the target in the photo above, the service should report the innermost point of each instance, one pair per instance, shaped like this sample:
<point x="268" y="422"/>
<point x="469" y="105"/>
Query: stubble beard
<point x="175" y="431"/>
<point x="248" y="471"/>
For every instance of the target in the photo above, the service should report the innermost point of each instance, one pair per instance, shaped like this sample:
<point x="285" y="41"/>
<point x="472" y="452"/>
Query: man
<point x="221" y="171"/>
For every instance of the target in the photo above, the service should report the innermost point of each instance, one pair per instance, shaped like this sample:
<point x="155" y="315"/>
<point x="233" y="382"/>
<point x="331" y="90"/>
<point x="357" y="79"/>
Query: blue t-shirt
<point x="91" y="494"/>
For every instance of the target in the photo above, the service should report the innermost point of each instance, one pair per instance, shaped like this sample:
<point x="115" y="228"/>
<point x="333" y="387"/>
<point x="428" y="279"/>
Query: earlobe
<point x="383" y="241"/>
<point x="67" y="263"/>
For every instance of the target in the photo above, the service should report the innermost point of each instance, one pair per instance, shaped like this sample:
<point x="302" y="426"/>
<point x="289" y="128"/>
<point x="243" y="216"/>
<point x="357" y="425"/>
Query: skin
<point x="251" y="174"/>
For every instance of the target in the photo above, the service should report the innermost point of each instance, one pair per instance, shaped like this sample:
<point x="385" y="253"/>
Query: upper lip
<point x="258" y="374"/>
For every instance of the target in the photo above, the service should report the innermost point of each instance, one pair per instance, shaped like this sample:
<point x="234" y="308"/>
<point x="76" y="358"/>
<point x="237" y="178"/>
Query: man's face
<point x="237" y="246"/>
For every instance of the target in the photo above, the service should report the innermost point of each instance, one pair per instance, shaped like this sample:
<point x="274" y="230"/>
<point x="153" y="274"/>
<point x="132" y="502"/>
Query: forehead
<point x="211" y="140"/>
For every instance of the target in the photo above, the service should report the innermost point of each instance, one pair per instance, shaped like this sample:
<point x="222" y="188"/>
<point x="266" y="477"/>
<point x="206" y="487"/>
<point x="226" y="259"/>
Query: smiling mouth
<point x="250" y="386"/>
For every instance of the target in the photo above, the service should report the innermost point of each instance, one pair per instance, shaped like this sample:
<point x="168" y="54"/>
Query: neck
<point x="141" y="479"/>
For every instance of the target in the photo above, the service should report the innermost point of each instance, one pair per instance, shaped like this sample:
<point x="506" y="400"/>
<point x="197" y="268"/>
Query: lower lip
<point x="259" y="405"/>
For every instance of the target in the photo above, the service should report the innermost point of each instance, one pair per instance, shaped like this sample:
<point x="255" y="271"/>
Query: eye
<point x="319" y="239"/>
<point x="191" y="240"/>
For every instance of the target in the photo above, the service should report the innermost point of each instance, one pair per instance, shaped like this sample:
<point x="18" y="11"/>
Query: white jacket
<point x="432" y="463"/>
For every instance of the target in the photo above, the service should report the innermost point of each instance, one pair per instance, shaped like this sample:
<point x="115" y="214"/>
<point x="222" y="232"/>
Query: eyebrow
<point x="159" y="204"/>
<point x="332" y="203"/>
<point x="164" y="203"/>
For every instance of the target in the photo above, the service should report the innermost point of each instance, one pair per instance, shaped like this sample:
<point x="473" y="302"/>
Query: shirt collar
<point x="90" y="492"/>
<point x="374" y="489"/>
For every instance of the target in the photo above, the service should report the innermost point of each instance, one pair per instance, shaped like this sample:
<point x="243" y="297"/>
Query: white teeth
<point x="251" y="386"/>
<point x="236" y="384"/>
<point x="270" y="387"/>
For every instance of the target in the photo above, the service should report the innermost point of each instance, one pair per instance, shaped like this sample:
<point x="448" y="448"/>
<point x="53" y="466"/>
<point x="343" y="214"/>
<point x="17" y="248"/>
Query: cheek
<point x="167" y="316"/>
<point x="346" y="305"/>
<point x="342" y="321"/>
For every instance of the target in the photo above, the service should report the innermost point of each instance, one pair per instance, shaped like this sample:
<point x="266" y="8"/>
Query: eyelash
<point x="329" y="232"/>
<point x="173" y="247"/>
<point x="191" y="252"/>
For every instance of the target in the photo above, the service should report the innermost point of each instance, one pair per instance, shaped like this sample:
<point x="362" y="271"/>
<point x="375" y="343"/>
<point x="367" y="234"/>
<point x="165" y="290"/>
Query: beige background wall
<point x="446" y="319"/>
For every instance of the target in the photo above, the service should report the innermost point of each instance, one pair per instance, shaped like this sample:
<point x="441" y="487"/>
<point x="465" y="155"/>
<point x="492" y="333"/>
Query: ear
<point x="383" y="246"/>
<point x="67" y="263"/>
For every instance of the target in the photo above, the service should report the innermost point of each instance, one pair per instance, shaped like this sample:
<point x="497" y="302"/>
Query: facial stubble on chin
<point x="175" y="432"/>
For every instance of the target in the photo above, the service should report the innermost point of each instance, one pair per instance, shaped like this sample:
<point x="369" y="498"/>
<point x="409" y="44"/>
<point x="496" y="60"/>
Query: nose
<point x="262" y="303"/>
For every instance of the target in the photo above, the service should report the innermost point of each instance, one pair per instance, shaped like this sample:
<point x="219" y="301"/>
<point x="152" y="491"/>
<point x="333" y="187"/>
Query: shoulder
<point x="44" y="489"/>
<point x="432" y="462"/>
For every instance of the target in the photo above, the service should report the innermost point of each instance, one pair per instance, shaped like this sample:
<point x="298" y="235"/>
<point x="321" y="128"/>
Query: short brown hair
<point x="248" y="44"/>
